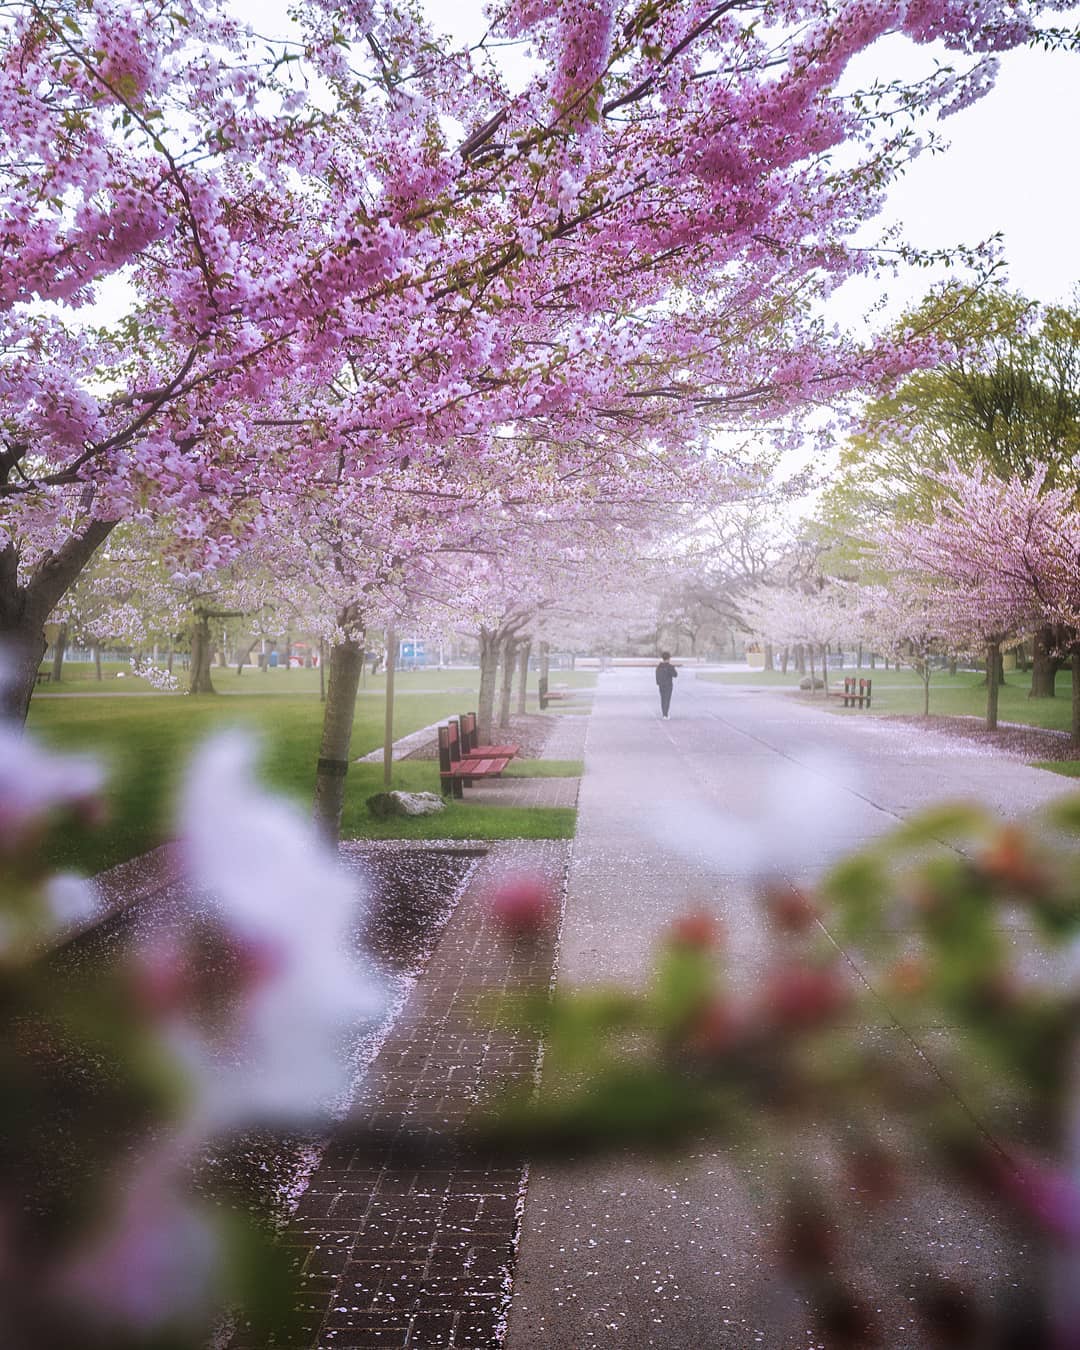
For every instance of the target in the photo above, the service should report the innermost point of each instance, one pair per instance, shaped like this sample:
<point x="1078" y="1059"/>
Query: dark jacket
<point x="666" y="674"/>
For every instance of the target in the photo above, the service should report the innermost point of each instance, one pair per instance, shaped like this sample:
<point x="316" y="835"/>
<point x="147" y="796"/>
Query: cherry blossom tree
<point x="818" y="616"/>
<point x="997" y="559"/>
<point x="904" y="623"/>
<point x="356" y="246"/>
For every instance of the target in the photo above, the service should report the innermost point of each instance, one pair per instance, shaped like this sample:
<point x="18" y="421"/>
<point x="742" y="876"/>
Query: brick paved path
<point x="396" y="1254"/>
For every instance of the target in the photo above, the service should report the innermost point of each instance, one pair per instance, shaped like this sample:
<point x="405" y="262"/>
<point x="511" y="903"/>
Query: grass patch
<point x="463" y="680"/>
<point x="545" y="768"/>
<point x="461" y="819"/>
<point x="146" y="744"/>
<point x="899" y="692"/>
<point x="1068" y="768"/>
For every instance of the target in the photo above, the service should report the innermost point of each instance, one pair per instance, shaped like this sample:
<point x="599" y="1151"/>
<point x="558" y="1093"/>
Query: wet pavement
<point x="674" y="816"/>
<point x="399" y="1247"/>
<point x="410" y="893"/>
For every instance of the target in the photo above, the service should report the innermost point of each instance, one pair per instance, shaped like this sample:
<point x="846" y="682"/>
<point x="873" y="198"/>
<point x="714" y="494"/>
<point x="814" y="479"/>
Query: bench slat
<point x="475" y="768"/>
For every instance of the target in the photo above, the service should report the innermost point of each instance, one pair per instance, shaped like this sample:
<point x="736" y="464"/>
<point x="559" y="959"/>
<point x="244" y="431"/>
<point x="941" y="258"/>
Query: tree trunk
<point x="858" y="657"/>
<point x="993" y="663"/>
<point x="245" y="656"/>
<point x="1044" y="666"/>
<point x="926" y="689"/>
<point x="489" y="669"/>
<point x="545" y="660"/>
<point x="824" y="670"/>
<point x="59" y="651"/>
<point x="800" y="659"/>
<point x="1074" y="665"/>
<point x="199" y="681"/>
<point x="952" y="665"/>
<point x="767" y="657"/>
<point x="322" y="668"/>
<point x="810" y="649"/>
<point x="784" y="656"/>
<point x="338" y="714"/>
<point x="97" y="661"/>
<point x="25" y="609"/>
<point x="388" y="724"/>
<point x="509" y="653"/>
<point x="523" y="676"/>
<point x="873" y="659"/>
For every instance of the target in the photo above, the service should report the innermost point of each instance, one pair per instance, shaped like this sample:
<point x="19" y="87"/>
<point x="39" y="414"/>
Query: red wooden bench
<point x="546" y="696"/>
<point x="854" y="693"/>
<point x="470" y="749"/>
<point x="455" y="772"/>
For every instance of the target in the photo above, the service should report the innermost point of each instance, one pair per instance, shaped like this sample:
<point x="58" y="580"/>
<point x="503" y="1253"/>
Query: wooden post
<point x="523" y="676"/>
<point x="993" y="657"/>
<point x="1074" y="666"/>
<point x="59" y="649"/>
<point x="509" y="661"/>
<point x="388" y="735"/>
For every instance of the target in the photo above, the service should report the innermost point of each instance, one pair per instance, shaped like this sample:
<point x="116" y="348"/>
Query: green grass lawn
<point x="118" y="679"/>
<point x="1068" y="768"/>
<point x="963" y="694"/>
<point x="146" y="742"/>
<point x="461" y="819"/>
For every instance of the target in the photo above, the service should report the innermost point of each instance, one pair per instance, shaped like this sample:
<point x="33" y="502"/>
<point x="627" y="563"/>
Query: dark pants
<point x="665" y="698"/>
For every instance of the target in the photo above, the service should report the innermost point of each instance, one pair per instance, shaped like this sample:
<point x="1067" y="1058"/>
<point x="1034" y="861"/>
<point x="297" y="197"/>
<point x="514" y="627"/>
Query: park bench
<point x="43" y="677"/>
<point x="855" y="693"/>
<point x="457" y="772"/>
<point x="547" y="695"/>
<point x="470" y="747"/>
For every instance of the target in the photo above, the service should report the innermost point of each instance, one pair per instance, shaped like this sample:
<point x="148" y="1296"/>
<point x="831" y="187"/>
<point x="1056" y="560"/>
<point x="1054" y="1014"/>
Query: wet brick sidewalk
<point x="397" y="1254"/>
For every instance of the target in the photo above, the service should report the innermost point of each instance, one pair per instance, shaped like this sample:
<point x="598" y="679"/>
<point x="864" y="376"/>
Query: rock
<point x="385" y="804"/>
<point x="804" y="683"/>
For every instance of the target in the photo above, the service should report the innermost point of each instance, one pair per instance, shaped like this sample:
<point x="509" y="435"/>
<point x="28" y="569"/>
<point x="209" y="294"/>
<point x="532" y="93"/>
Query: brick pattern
<point x="393" y="1249"/>
<point x="567" y="738"/>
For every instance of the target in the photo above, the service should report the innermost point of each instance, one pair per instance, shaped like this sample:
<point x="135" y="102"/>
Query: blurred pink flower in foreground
<point x="156" y="1260"/>
<point x="524" y="906"/>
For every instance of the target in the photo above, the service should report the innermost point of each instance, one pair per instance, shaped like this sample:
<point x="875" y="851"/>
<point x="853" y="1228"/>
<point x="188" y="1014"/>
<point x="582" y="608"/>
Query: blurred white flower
<point x="35" y="781"/>
<point x="293" y="913"/>
<point x="71" y="899"/>
<point x="777" y="826"/>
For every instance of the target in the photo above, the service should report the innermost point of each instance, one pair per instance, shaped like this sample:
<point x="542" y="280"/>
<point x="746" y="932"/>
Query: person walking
<point x="666" y="675"/>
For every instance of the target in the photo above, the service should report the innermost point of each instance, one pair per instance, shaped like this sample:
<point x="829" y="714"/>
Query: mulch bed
<point x="530" y="731"/>
<point x="1018" y="742"/>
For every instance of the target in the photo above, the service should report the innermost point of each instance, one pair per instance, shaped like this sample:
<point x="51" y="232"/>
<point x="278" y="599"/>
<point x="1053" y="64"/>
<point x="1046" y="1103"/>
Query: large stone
<point x="405" y="804"/>
<point x="804" y="683"/>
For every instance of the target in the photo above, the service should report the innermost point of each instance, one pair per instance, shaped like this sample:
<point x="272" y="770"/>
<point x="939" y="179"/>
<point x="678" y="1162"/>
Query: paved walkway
<point x="394" y="1248"/>
<point x="674" y="815"/>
